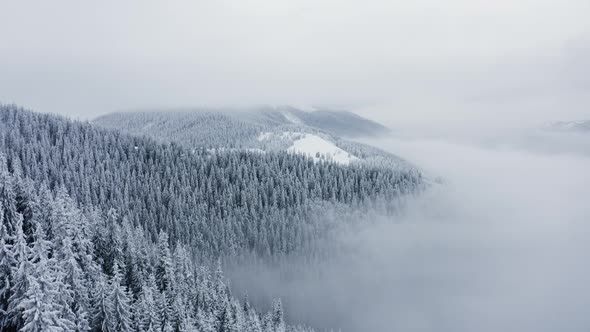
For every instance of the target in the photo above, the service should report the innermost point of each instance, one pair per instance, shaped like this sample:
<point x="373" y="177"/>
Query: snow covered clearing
<point x="319" y="148"/>
<point x="312" y="146"/>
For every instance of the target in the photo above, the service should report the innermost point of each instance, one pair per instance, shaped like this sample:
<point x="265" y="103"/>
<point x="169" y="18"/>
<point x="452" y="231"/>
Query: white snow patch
<point x="311" y="146"/>
<point x="315" y="147"/>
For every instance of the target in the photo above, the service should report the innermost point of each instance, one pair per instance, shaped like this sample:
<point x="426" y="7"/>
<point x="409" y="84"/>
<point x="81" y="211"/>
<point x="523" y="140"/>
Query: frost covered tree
<point x="278" y="322"/>
<point x="253" y="323"/>
<point x="75" y="293"/>
<point x="164" y="269"/>
<point x="146" y="313"/>
<point x="22" y="273"/>
<point x="7" y="266"/>
<point x="121" y="314"/>
<point x="40" y="307"/>
<point x="102" y="307"/>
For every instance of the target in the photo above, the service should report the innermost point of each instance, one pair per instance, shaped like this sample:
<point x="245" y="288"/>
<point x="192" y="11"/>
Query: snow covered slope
<point x="237" y="127"/>
<point x="318" y="134"/>
<point x="320" y="149"/>
<point x="312" y="146"/>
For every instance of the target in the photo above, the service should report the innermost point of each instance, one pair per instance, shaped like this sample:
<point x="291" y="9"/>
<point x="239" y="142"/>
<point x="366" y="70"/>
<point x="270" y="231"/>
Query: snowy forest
<point x="294" y="166"/>
<point x="102" y="231"/>
<point x="69" y="269"/>
<point x="231" y="128"/>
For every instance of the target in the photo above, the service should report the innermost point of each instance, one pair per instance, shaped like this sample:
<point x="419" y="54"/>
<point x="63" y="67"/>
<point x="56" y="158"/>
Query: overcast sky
<point x="405" y="62"/>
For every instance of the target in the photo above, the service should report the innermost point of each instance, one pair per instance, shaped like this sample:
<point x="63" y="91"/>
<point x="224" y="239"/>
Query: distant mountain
<point x="569" y="126"/>
<point x="200" y="128"/>
<point x="316" y="134"/>
<point x="340" y="123"/>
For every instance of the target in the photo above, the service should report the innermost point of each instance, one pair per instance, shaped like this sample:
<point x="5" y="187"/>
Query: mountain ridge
<point x="281" y="128"/>
<point x="337" y="122"/>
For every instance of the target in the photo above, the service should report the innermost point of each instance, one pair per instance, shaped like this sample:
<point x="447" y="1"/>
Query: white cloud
<point x="82" y="59"/>
<point x="500" y="246"/>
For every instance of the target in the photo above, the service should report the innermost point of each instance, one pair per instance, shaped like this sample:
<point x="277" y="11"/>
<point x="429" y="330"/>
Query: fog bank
<point x="501" y="245"/>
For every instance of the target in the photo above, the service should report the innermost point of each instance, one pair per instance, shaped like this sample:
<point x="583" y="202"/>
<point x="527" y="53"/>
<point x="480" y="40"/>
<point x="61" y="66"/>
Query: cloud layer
<point x="416" y="59"/>
<point x="500" y="246"/>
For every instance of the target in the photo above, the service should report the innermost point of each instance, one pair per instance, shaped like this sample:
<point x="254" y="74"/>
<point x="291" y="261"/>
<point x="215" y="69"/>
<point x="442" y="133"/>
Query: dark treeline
<point x="68" y="269"/>
<point x="223" y="203"/>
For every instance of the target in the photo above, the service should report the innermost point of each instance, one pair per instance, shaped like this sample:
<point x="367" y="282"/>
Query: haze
<point x="499" y="246"/>
<point x="412" y="62"/>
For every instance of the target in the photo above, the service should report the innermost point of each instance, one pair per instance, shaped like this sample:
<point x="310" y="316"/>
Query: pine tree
<point x="119" y="299"/>
<point x="267" y="325"/>
<point x="253" y="322"/>
<point x="163" y="307"/>
<point x="146" y="312"/>
<point x="204" y="322"/>
<point x="103" y="308"/>
<point x="39" y="313"/>
<point x="164" y="269"/>
<point x="7" y="266"/>
<point x="41" y="310"/>
<point x="220" y="289"/>
<point x="7" y="196"/>
<point x="238" y="315"/>
<point x="63" y="299"/>
<point x="227" y="322"/>
<point x="136" y="323"/>
<point x="21" y="274"/>
<point x="278" y="322"/>
<point x="76" y="295"/>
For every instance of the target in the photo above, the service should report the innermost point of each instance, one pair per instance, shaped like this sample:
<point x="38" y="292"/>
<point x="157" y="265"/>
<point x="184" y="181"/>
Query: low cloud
<point x="500" y="246"/>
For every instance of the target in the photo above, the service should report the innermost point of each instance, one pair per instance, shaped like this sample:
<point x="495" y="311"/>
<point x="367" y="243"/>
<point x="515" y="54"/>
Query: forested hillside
<point x="340" y="123"/>
<point x="68" y="269"/>
<point x="316" y="134"/>
<point x="236" y="128"/>
<point x="218" y="203"/>
<point x="207" y="129"/>
<point x="110" y="232"/>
